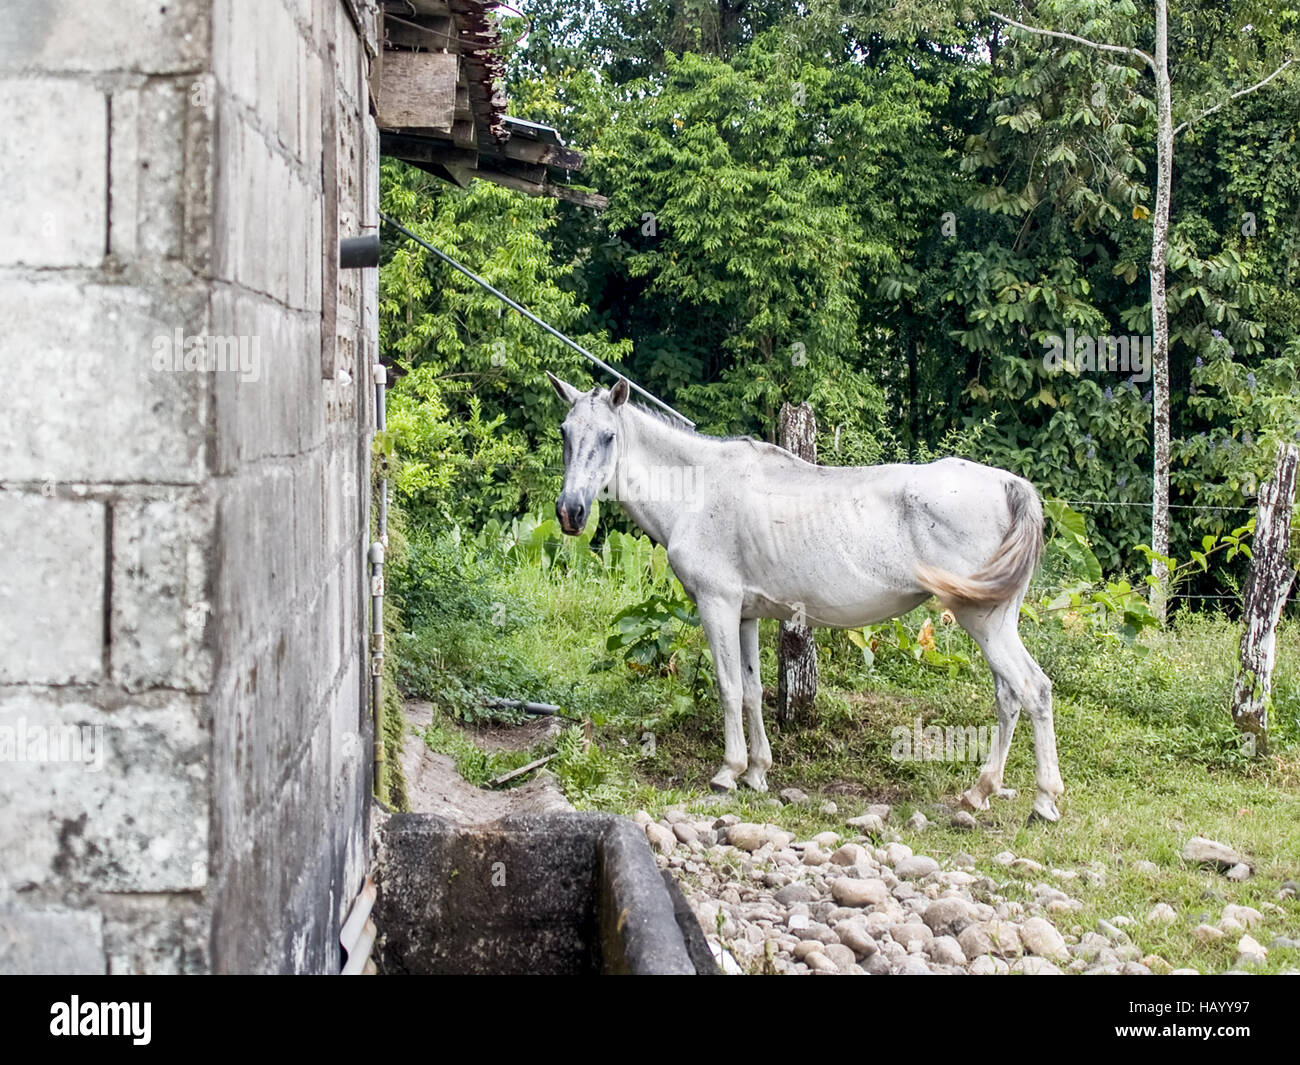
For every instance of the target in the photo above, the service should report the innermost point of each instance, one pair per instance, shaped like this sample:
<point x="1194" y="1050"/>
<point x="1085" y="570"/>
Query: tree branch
<point x="1121" y="49"/>
<point x="1244" y="92"/>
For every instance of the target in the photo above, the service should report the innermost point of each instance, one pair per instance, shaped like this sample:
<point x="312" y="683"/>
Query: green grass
<point x="1147" y="751"/>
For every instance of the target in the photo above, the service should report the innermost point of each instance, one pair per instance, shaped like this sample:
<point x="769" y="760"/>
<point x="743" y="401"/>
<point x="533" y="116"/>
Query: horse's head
<point x="590" y="436"/>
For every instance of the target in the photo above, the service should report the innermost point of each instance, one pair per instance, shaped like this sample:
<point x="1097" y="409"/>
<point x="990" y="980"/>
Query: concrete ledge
<point x="549" y="894"/>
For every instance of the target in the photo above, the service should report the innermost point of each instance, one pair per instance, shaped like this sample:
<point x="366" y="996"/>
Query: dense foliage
<point x="888" y="210"/>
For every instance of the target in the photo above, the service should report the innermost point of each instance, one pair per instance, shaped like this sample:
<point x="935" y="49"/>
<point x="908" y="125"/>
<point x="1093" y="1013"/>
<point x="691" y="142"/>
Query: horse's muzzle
<point x="572" y="515"/>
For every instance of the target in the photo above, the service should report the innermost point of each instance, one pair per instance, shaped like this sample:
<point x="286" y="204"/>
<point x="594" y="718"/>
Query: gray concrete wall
<point x="182" y="586"/>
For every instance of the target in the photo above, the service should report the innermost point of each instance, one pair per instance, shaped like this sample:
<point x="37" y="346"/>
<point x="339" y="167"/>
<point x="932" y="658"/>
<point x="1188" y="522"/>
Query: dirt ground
<point x="434" y="786"/>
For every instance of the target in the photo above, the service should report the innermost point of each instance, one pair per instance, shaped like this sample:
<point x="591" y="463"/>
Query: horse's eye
<point x="608" y="438"/>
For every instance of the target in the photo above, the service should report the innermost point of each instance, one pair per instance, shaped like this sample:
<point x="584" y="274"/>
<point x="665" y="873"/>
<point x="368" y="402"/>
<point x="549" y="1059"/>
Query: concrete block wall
<point x="182" y="598"/>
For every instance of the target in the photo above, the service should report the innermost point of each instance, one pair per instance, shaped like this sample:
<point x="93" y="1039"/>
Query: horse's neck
<point x="653" y="449"/>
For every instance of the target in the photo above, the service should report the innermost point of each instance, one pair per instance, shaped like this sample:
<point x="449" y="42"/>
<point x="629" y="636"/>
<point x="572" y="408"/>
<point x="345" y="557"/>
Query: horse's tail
<point x="1007" y="572"/>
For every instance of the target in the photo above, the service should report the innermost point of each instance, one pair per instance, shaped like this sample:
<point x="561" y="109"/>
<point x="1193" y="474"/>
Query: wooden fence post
<point x="1267" y="587"/>
<point x="796" y="653"/>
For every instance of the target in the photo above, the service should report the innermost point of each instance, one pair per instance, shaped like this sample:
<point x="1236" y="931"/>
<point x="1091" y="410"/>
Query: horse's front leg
<point x="721" y="623"/>
<point x="751" y="684"/>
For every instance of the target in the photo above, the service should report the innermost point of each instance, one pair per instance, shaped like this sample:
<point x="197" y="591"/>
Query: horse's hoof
<point x="973" y="800"/>
<point x="1044" y="811"/>
<point x="757" y="781"/>
<point x="724" y="782"/>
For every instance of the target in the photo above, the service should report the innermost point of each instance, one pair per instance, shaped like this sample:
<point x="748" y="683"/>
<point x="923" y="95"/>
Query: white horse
<point x="754" y="532"/>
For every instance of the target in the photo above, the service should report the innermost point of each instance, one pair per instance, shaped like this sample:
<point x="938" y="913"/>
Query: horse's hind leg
<point x="721" y="623"/>
<point x="760" y="754"/>
<point x="1018" y="681"/>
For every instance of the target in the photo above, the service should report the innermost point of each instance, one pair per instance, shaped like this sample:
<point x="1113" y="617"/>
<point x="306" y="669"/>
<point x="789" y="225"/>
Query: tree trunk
<point x="1267" y="587"/>
<point x="796" y="653"/>
<point x="1160" y="313"/>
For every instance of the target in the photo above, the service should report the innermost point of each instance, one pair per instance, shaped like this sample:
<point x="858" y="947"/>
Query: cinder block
<point x="139" y="36"/>
<point x="122" y="413"/>
<point x="52" y="591"/>
<point x="148" y="170"/>
<point x="160" y="935"/>
<point x="53" y="159"/>
<point x="160" y="609"/>
<point x="118" y="802"/>
<point x="48" y="942"/>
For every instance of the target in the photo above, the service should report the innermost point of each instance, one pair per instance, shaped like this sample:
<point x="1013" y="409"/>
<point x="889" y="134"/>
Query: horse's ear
<point x="619" y="393"/>
<point x="565" y="390"/>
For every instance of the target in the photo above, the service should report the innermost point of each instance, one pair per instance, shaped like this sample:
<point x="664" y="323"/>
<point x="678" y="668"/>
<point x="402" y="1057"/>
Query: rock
<point x="1004" y="858"/>
<point x="1146" y="868"/>
<point x="948" y="916"/>
<point x="1230" y="926"/>
<point x="1004" y="939"/>
<point x="1283" y="943"/>
<point x="849" y="854"/>
<point x="685" y="832"/>
<point x="867" y="823"/>
<point x="779" y="838"/>
<point x="918" y="822"/>
<point x="1032" y="965"/>
<point x="1204" y="933"/>
<point x="804" y="947"/>
<point x="945" y="950"/>
<point x="814" y="855"/>
<point x="965" y="821"/>
<point x="1111" y="932"/>
<point x="1027" y="865"/>
<point x="660" y="838"/>
<point x="725" y="821"/>
<point x="746" y="836"/>
<point x="1162" y="913"/>
<point x="915" y="867"/>
<point x="1240" y="871"/>
<point x="1156" y="964"/>
<point x="1041" y="937"/>
<point x="912" y="936"/>
<point x="880" y="809"/>
<point x="987" y="965"/>
<point x="842" y="956"/>
<point x="896" y="852"/>
<point x="1204" y="851"/>
<point x="974" y="941"/>
<point x="828" y="809"/>
<point x="850" y="891"/>
<point x="856" y="939"/>
<point x="793" y="796"/>
<point x="962" y="860"/>
<point x="1246" y="916"/>
<point x="793" y="893"/>
<point x="1250" y="951"/>
<point x="877" y="965"/>
<point x="642" y="818"/>
<point x="912" y="965"/>
<point x="821" y="963"/>
<point x="1185" y="972"/>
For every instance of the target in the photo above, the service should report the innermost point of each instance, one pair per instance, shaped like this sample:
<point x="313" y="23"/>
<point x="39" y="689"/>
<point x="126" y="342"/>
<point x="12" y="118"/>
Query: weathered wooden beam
<point x="464" y="132"/>
<point x="455" y="174"/>
<point x="593" y="200"/>
<point x="423" y="8"/>
<point x="433" y="34"/>
<point x="418" y="89"/>
<point x="526" y="151"/>
<point x="1267" y="586"/>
